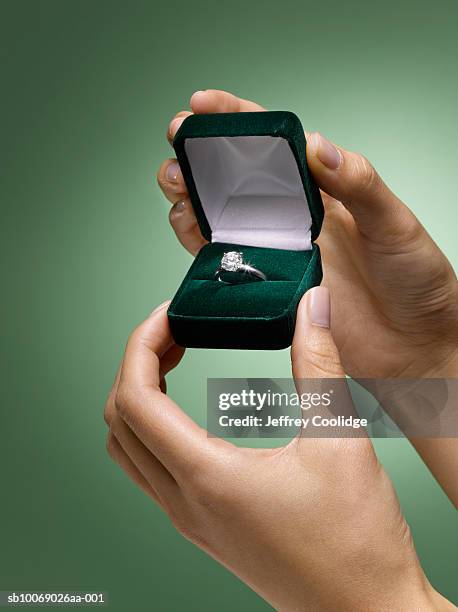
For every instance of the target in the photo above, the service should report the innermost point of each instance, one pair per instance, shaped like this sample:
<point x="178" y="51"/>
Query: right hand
<point x="314" y="525"/>
<point x="394" y="293"/>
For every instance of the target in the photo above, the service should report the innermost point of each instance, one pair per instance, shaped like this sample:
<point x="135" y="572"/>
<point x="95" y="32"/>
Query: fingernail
<point x="172" y="172"/>
<point x="159" y="307"/>
<point x="319" y="307"/>
<point x="178" y="207"/>
<point x="327" y="152"/>
<point x="175" y="126"/>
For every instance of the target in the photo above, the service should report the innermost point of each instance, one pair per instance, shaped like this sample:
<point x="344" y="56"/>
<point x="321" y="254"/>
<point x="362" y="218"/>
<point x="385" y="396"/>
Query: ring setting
<point x="233" y="270"/>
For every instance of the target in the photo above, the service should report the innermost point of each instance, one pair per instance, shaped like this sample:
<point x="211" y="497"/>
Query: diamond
<point x="231" y="261"/>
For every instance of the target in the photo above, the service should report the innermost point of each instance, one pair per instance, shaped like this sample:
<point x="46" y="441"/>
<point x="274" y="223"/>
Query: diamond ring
<point x="233" y="270"/>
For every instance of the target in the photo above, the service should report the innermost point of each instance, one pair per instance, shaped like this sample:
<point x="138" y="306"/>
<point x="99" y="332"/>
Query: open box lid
<point x="248" y="179"/>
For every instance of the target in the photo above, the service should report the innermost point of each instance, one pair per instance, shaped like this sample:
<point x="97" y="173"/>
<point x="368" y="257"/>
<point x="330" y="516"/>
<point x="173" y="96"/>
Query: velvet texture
<point x="283" y="124"/>
<point x="206" y="313"/>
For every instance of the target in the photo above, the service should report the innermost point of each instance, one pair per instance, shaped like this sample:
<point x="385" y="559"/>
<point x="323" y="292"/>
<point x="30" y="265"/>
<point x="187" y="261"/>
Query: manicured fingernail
<point x="175" y="126"/>
<point x="178" y="207"/>
<point x="327" y="152"/>
<point x="319" y="307"/>
<point x="172" y="172"/>
<point x="159" y="307"/>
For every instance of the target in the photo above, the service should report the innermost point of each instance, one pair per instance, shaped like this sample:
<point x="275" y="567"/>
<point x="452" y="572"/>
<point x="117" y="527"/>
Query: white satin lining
<point x="251" y="191"/>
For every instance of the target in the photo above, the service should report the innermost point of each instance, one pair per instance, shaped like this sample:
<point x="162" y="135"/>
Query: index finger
<point x="212" y="101"/>
<point x="218" y="101"/>
<point x="157" y="421"/>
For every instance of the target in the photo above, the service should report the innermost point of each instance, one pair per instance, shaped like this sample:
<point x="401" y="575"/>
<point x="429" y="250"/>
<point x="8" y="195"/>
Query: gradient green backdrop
<point x="87" y="91"/>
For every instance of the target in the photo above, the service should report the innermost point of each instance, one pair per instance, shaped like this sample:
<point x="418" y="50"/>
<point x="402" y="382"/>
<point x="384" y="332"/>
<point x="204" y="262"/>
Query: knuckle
<point x="124" y="400"/>
<point x="408" y="231"/>
<point x="110" y="445"/>
<point x="189" y="524"/>
<point x="185" y="528"/>
<point x="172" y="217"/>
<point x="161" y="176"/>
<point x="178" y="520"/>
<point x="323" y="357"/>
<point x="365" y="177"/>
<point x="181" y="517"/>
<point x="108" y="411"/>
<point x="194" y="536"/>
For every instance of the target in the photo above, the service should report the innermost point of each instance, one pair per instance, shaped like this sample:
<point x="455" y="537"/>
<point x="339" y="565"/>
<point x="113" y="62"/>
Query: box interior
<point x="249" y="185"/>
<point x="251" y="191"/>
<point x="202" y="295"/>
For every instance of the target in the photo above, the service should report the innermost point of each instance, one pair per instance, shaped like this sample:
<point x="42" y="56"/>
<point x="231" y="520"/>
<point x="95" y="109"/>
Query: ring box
<point x="251" y="190"/>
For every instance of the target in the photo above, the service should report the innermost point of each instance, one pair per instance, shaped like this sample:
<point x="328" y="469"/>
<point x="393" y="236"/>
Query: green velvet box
<point x="251" y="190"/>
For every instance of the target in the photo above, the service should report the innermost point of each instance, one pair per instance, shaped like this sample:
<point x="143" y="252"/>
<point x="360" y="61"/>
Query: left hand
<point x="315" y="525"/>
<point x="394" y="293"/>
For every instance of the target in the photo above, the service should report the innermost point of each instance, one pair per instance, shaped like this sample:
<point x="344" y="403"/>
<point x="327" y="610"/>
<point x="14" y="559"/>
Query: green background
<point x="87" y="91"/>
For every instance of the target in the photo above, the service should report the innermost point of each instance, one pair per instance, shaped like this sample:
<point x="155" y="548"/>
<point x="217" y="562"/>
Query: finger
<point x="118" y="455"/>
<point x="170" y="180"/>
<point x="217" y="101"/>
<point x="313" y="351"/>
<point x="331" y="204"/>
<point x="175" y="124"/>
<point x="109" y="404"/>
<point x="315" y="360"/>
<point x="351" y="179"/>
<point x="184" y="224"/>
<point x="211" y="101"/>
<point x="110" y="408"/>
<point x="151" y="469"/>
<point x="170" y="360"/>
<point x="170" y="435"/>
<point x="182" y="217"/>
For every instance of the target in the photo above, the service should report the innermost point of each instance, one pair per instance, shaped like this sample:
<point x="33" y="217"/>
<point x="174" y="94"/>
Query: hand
<point x="394" y="294"/>
<point x="315" y="525"/>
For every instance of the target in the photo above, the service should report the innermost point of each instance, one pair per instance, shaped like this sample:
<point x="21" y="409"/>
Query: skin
<point x="387" y="277"/>
<point x="389" y="282"/>
<point x="315" y="525"/>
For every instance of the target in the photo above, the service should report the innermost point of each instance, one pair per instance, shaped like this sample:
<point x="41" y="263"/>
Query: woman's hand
<point x="315" y="525"/>
<point x="394" y="293"/>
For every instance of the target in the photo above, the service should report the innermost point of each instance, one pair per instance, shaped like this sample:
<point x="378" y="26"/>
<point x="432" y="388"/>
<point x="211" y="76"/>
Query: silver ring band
<point x="232" y="270"/>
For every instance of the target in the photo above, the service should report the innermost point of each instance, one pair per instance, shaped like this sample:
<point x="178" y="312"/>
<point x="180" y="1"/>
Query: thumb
<point x="313" y="351"/>
<point x="351" y="179"/>
<point x="315" y="360"/>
